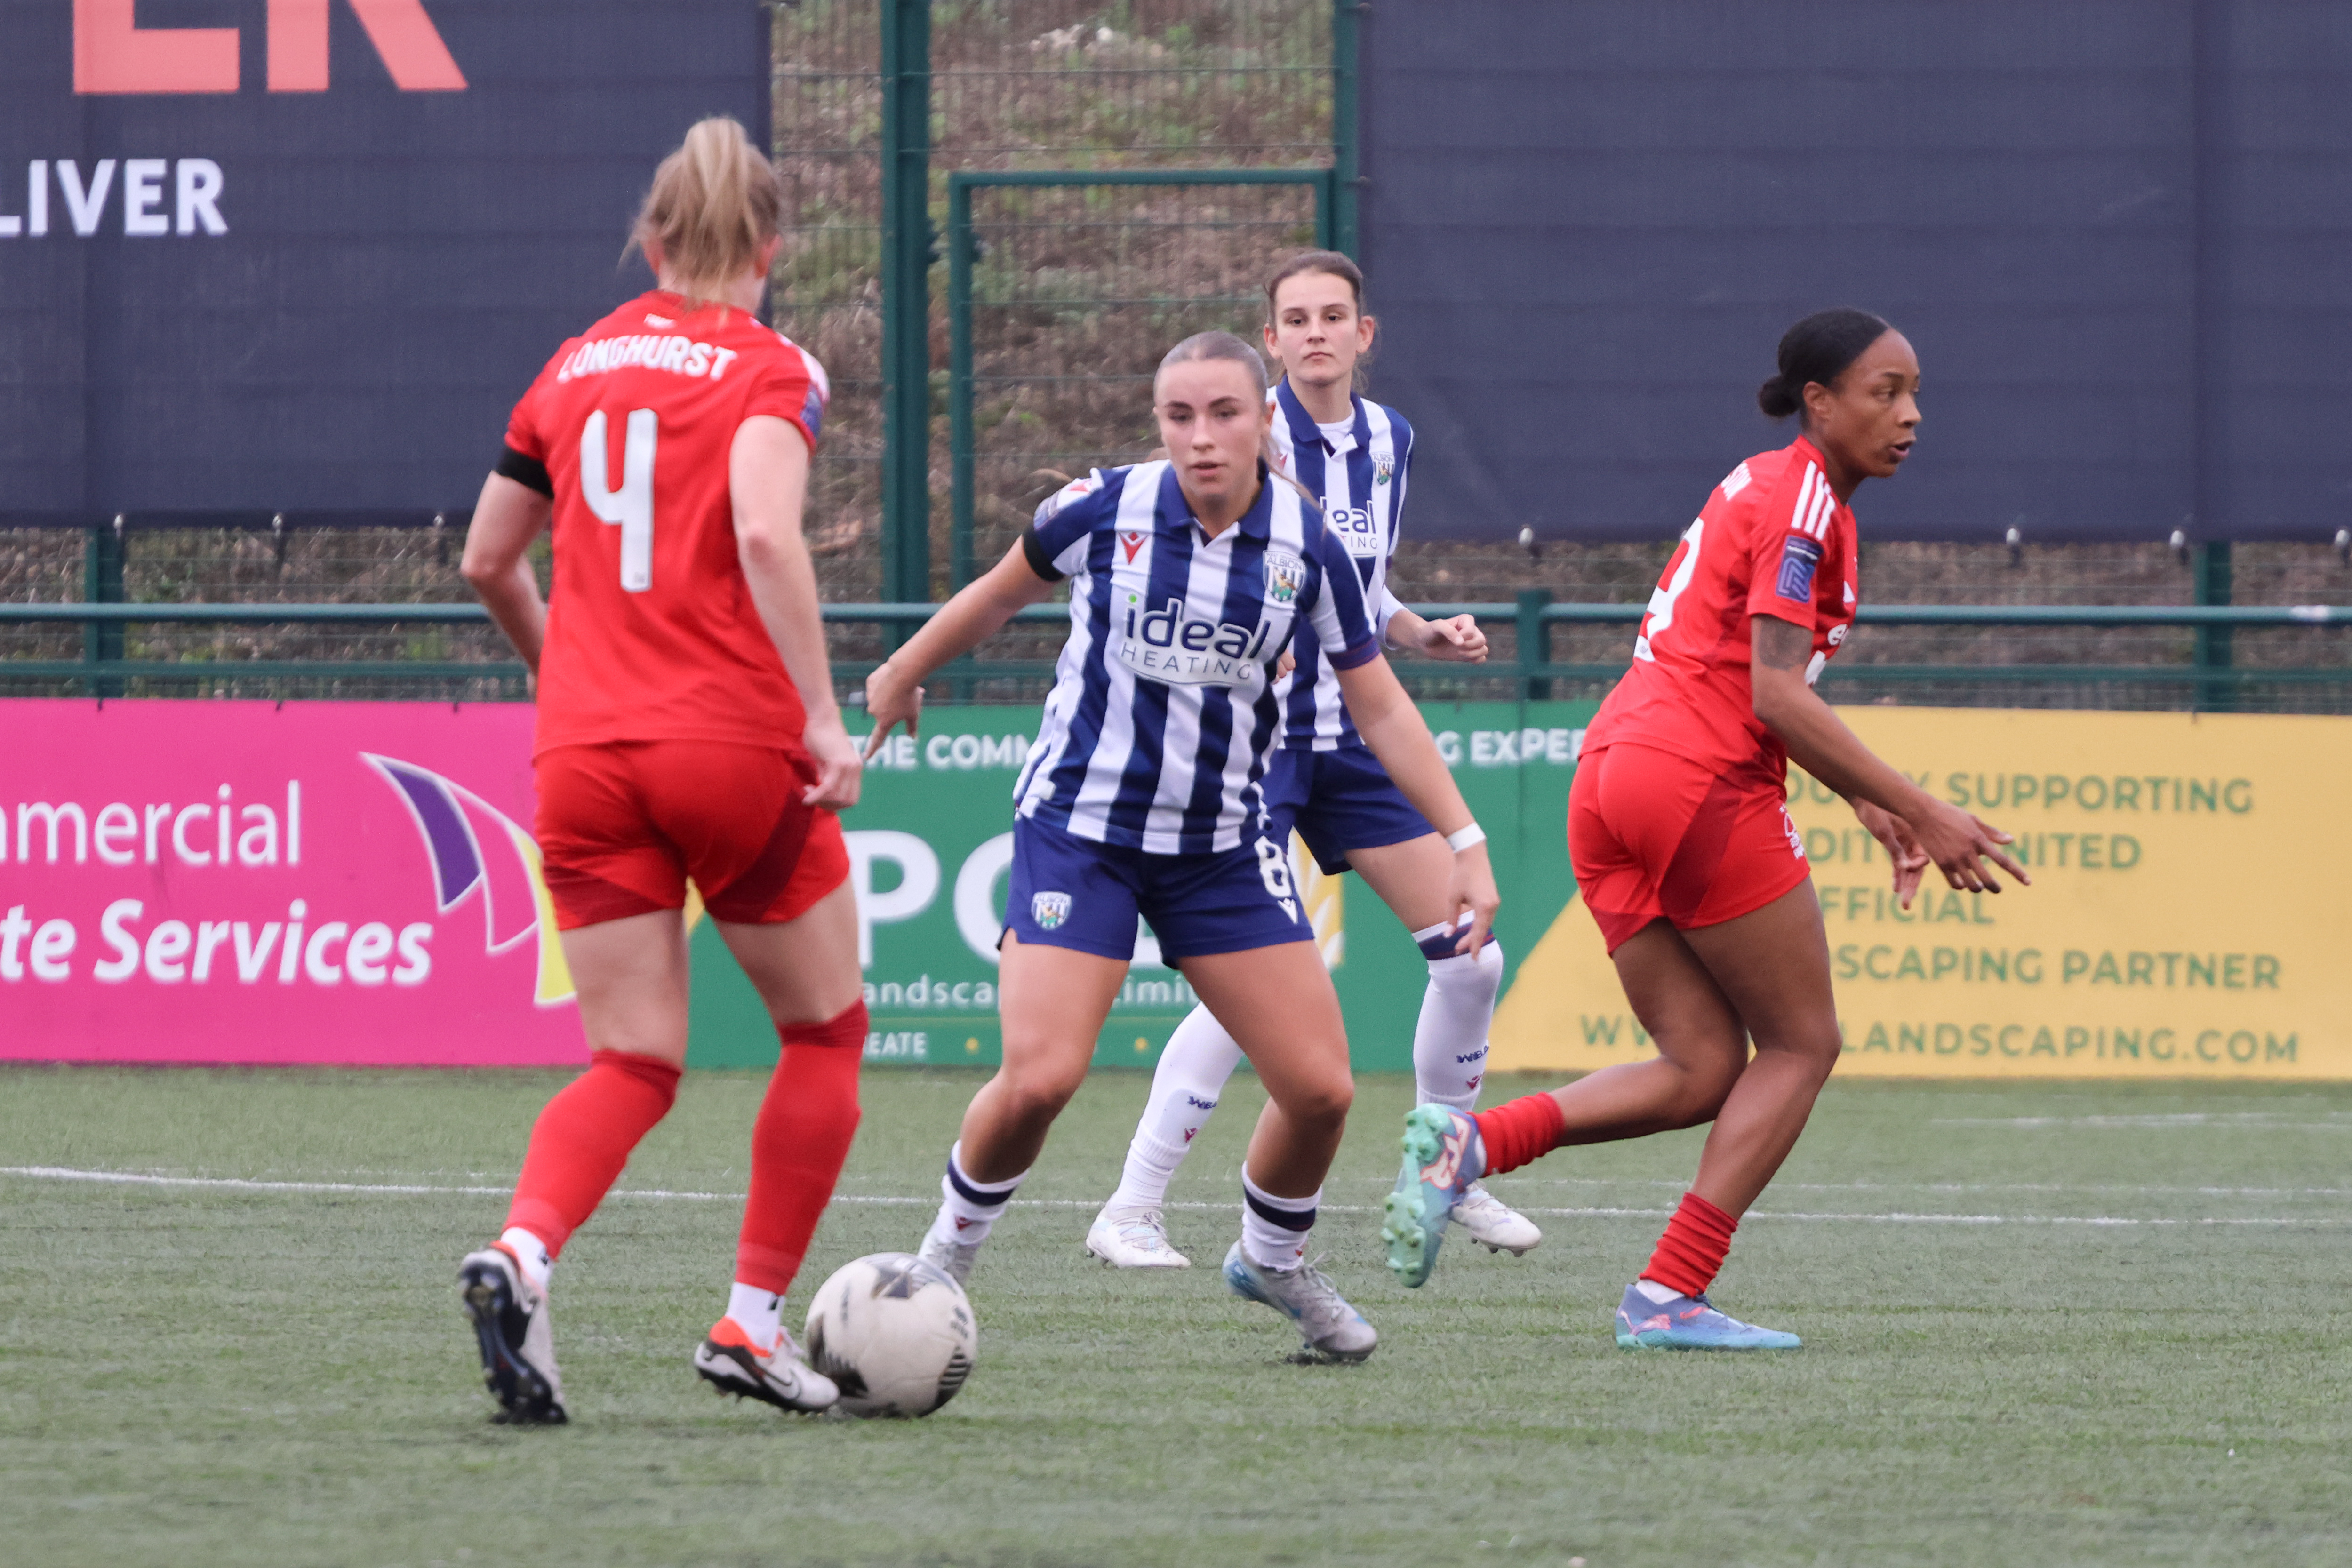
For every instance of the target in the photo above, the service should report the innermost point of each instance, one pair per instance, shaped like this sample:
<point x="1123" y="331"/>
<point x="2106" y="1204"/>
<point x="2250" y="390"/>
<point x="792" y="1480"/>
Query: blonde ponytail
<point x="714" y="202"/>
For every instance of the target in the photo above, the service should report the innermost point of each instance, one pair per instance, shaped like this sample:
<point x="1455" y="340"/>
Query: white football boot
<point x="1133" y="1238"/>
<point x="732" y="1362"/>
<point x="941" y="1250"/>
<point x="1494" y="1224"/>
<point x="512" y="1330"/>
<point x="1323" y="1320"/>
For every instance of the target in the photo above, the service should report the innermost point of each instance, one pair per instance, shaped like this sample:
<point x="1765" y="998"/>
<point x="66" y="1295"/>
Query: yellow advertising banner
<point x="2187" y="917"/>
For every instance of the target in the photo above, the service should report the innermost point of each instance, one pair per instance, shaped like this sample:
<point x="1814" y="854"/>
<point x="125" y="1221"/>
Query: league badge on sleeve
<point x="1799" y="556"/>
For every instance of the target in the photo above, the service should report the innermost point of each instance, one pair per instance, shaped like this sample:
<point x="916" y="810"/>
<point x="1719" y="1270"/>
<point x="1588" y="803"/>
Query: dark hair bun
<point x="1776" y="398"/>
<point x="1817" y="349"/>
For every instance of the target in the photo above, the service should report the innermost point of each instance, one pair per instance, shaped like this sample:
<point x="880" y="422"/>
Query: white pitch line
<point x="659" y="1195"/>
<point x="2266" y="1121"/>
<point x="1514" y="1183"/>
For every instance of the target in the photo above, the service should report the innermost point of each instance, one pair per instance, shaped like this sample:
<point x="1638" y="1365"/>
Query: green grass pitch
<point x="2066" y="1324"/>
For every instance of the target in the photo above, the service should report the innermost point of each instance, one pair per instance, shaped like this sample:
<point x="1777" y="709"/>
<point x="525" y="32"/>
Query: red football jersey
<point x="1773" y="540"/>
<point x="651" y="631"/>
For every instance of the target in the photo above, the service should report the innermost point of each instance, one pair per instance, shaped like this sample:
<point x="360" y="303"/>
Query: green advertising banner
<point x="931" y="843"/>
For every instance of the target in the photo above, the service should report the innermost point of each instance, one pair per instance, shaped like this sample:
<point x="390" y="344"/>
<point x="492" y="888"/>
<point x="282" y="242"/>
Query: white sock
<point x="967" y="1209"/>
<point x="1275" y="1230"/>
<point x="1185" y="1088"/>
<point x="532" y="1253"/>
<point x="758" y="1311"/>
<point x="1656" y="1294"/>
<point x="1449" y="1044"/>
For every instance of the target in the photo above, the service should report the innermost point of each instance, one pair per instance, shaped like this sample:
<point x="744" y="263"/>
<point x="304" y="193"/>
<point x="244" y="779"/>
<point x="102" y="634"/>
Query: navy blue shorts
<point x="1340" y="800"/>
<point x="1073" y="892"/>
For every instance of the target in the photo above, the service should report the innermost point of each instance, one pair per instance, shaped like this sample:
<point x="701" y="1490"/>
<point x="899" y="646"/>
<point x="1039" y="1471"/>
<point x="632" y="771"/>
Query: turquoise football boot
<point x="1443" y="1155"/>
<point x="1689" y="1323"/>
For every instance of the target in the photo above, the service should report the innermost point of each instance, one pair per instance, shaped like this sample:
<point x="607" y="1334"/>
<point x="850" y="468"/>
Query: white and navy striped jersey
<point x="1164" y="710"/>
<point x="1361" y="475"/>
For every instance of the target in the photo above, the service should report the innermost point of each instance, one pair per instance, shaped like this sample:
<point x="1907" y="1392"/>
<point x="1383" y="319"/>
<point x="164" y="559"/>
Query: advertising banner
<point x="302" y="257"/>
<point x="348" y="882"/>
<point x="356" y="883"/>
<point x="931" y="841"/>
<point x="2185" y="918"/>
<point x="2111" y="232"/>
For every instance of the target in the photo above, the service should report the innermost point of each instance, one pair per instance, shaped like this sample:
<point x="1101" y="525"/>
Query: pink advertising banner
<point x="345" y="882"/>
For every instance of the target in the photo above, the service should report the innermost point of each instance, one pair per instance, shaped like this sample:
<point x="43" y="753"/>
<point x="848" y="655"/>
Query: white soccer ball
<point x="896" y="1333"/>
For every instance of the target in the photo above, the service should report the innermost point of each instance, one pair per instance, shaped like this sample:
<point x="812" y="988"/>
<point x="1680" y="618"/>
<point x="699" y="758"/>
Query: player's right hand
<point x="892" y="699"/>
<point x="1902" y="847"/>
<point x="1959" y="844"/>
<point x="840" y="770"/>
<point x="1472" y="888"/>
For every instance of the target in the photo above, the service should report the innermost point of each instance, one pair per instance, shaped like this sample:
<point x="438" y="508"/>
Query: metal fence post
<point x="907" y="256"/>
<point x="959" y="432"/>
<point x="2218" y="694"/>
<point x="1535" y="643"/>
<point x="101" y="583"/>
<point x="1344" y="125"/>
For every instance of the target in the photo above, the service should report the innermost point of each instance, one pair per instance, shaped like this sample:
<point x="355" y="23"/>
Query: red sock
<point x="1520" y="1131"/>
<point x="584" y="1138"/>
<point x="1692" y="1250"/>
<point x="802" y="1137"/>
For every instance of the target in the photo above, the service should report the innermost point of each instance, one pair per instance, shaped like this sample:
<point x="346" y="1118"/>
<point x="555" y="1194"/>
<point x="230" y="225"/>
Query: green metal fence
<point x="879" y="103"/>
<point x="1048" y="279"/>
<point x="1528" y="670"/>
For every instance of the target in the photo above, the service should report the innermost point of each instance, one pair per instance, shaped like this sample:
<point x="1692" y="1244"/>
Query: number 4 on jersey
<point x="631" y="506"/>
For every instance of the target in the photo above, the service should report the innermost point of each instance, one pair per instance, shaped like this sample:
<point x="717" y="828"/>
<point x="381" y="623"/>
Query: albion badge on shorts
<point x="1049" y="909"/>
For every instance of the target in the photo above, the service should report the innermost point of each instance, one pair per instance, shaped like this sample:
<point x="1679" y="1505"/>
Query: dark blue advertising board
<point x="300" y="257"/>
<point x="2115" y="231"/>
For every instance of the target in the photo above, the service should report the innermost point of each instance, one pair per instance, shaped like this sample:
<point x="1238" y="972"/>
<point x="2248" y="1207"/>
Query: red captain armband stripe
<point x="1357" y="654"/>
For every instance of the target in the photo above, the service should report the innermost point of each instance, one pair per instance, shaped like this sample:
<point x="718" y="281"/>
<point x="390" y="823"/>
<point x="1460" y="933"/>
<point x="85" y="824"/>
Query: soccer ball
<point x="897" y="1333"/>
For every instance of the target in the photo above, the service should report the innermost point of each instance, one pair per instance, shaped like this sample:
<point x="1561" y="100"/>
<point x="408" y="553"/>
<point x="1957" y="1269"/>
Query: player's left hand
<point x="890" y="700"/>
<point x="1472" y="888"/>
<point x="1902" y="846"/>
<point x="839" y="769"/>
<point x="1456" y="638"/>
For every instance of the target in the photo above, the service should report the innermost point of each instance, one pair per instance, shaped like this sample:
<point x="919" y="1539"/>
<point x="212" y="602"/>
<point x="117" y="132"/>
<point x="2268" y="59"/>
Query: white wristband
<point x="1458" y="842"/>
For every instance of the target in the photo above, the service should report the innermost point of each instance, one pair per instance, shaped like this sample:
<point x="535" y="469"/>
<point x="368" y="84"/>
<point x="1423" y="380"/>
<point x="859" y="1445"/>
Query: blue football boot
<point x="1443" y="1155"/>
<point x="1689" y="1323"/>
<point x="1304" y="1295"/>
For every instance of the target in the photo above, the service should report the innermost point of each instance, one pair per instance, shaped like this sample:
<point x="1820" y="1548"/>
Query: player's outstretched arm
<point x="1392" y="727"/>
<point x="894" y="693"/>
<point x="507" y="517"/>
<point x="1819" y="743"/>
<point x="767" y="484"/>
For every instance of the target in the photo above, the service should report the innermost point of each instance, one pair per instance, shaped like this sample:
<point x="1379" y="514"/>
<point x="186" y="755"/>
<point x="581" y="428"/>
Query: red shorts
<point x="1654" y="836"/>
<point x="622" y="826"/>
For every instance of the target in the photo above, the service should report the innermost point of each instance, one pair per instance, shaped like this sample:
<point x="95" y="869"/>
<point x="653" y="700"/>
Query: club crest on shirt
<point x="1285" y="574"/>
<point x="1382" y="469"/>
<point x="1049" y="909"/>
